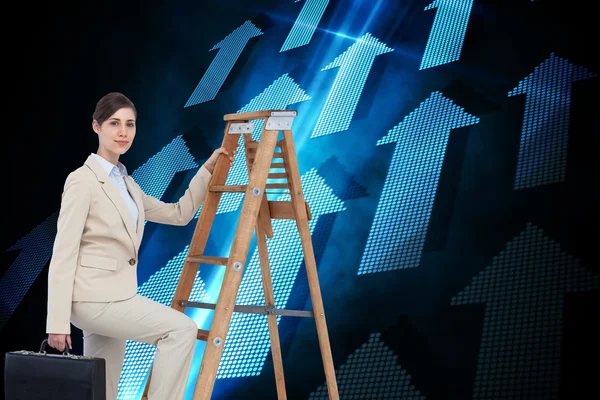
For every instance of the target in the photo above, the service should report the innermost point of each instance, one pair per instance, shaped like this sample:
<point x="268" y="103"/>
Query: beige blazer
<point x="95" y="253"/>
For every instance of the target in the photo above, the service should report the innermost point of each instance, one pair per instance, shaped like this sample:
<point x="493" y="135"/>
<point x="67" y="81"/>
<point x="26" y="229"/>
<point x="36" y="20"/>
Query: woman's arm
<point x="75" y="204"/>
<point x="183" y="211"/>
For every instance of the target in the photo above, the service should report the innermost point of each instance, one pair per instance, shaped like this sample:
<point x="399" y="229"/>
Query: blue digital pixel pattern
<point x="543" y="150"/>
<point x="36" y="247"/>
<point x="161" y="288"/>
<point x="345" y="186"/>
<point x="399" y="228"/>
<point x="448" y="32"/>
<point x="230" y="50"/>
<point x="372" y="372"/>
<point x="355" y="65"/>
<point x="247" y="343"/>
<point x="524" y="292"/>
<point x="306" y="24"/>
<point x="157" y="173"/>
<point x="283" y="92"/>
<point x="35" y="252"/>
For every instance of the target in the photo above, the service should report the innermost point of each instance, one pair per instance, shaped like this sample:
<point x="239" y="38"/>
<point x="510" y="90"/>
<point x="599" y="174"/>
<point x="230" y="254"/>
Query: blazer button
<point x="131" y="262"/>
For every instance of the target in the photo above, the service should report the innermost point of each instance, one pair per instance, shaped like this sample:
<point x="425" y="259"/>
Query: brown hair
<point x="110" y="104"/>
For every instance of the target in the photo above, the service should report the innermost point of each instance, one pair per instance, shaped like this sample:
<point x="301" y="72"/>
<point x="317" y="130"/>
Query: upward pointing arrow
<point x="544" y="136"/>
<point x="385" y="376"/>
<point x="523" y="290"/>
<point x="355" y="65"/>
<point x="448" y="32"/>
<point x="35" y="251"/>
<point x="230" y="50"/>
<point x="306" y="24"/>
<point x="401" y="221"/>
<point x="171" y="159"/>
<point x="248" y="341"/>
<point x="36" y="247"/>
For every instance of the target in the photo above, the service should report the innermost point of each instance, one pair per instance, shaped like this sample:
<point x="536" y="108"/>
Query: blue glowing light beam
<point x="355" y="65"/>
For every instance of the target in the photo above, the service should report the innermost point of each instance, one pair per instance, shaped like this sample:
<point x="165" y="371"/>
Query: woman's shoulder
<point x="81" y="175"/>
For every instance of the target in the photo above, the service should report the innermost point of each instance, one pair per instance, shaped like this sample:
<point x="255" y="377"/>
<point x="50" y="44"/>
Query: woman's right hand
<point x="57" y="341"/>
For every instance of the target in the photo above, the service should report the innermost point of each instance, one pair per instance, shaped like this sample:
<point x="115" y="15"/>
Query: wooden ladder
<point x="256" y="215"/>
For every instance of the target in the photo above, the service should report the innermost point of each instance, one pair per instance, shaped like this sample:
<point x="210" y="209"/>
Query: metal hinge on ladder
<point x="281" y="120"/>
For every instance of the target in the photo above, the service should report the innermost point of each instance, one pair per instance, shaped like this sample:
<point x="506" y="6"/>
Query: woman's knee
<point x="188" y="328"/>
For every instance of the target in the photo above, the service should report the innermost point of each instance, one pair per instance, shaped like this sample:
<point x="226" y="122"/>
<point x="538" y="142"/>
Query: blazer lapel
<point x="113" y="194"/>
<point x="137" y="197"/>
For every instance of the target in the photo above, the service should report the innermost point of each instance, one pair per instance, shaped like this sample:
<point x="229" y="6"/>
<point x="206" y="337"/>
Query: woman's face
<point x="117" y="132"/>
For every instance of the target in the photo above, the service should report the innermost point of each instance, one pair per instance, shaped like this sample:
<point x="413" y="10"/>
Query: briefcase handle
<point x="45" y="343"/>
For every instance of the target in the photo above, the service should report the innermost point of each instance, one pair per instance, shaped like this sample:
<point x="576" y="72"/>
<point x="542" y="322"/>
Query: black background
<point x="60" y="58"/>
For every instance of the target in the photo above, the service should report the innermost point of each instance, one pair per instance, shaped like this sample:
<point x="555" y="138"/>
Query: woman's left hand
<point x="212" y="161"/>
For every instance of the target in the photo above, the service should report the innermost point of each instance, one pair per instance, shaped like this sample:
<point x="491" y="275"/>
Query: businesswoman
<point x="92" y="280"/>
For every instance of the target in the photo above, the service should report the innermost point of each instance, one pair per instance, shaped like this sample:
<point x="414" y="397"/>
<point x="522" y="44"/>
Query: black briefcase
<point x="39" y="376"/>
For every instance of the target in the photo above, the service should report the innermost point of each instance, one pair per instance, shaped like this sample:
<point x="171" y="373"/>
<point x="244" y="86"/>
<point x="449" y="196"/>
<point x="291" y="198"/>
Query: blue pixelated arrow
<point x="247" y="344"/>
<point x="385" y="376"/>
<point x="306" y="24"/>
<point x="544" y="136"/>
<point x="156" y="174"/>
<point x="524" y="292"/>
<point x="355" y="65"/>
<point x="283" y="92"/>
<point x="35" y="251"/>
<point x="36" y="247"/>
<point x="401" y="221"/>
<point x="230" y="50"/>
<point x="448" y="32"/>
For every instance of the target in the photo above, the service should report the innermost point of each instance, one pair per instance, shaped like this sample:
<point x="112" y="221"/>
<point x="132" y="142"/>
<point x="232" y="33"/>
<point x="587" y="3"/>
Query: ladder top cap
<point x="247" y="116"/>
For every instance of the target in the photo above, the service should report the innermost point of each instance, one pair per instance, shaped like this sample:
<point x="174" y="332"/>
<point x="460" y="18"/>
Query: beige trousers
<point x="107" y="326"/>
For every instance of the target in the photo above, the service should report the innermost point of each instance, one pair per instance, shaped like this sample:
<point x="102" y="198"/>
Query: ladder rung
<point x="278" y="175"/>
<point x="242" y="188"/>
<point x="284" y="210"/>
<point x="277" y="165"/>
<point x="277" y="186"/>
<point x="268" y="310"/>
<point x="202" y="335"/>
<point x="276" y="155"/>
<point x="228" y="188"/>
<point x="208" y="260"/>
<point x="253" y="145"/>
